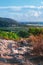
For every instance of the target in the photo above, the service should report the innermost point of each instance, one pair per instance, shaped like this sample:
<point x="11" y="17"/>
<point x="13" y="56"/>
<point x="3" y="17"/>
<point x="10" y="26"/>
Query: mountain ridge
<point x="6" y="22"/>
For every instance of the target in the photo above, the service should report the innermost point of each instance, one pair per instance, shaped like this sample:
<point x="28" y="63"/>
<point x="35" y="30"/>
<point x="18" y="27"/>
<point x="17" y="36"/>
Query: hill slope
<point x="7" y="22"/>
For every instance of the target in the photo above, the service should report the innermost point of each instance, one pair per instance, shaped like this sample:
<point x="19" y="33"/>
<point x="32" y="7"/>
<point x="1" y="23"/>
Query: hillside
<point x="7" y="22"/>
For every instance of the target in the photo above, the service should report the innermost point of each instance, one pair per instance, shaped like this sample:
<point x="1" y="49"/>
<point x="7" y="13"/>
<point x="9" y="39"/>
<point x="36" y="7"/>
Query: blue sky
<point x="22" y="10"/>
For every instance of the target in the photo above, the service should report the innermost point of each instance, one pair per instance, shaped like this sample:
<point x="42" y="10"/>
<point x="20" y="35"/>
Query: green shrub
<point x="35" y="31"/>
<point x="8" y="35"/>
<point x="23" y="34"/>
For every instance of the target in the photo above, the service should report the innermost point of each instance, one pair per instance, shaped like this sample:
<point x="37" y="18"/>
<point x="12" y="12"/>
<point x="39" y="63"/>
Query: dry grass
<point x="37" y="44"/>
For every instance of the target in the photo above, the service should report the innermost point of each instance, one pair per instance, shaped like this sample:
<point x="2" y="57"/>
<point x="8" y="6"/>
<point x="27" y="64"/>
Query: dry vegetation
<point x="37" y="43"/>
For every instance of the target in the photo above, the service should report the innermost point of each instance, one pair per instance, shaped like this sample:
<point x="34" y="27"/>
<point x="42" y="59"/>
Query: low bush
<point x="8" y="35"/>
<point x="23" y="34"/>
<point x="35" y="30"/>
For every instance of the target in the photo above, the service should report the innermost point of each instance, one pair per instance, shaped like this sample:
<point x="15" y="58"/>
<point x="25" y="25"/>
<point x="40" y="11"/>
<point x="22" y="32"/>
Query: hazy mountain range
<point x="7" y="22"/>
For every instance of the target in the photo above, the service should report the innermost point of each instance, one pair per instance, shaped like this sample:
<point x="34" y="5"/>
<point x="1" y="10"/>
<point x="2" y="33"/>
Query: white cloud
<point x="19" y="13"/>
<point x="20" y="16"/>
<point x="31" y="6"/>
<point x="40" y="7"/>
<point x="36" y="13"/>
<point x="20" y="7"/>
<point x="32" y="13"/>
<point x="16" y="8"/>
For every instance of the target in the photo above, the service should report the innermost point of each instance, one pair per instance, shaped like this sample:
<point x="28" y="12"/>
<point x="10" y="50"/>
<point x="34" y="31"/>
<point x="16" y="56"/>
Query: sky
<point x="22" y="10"/>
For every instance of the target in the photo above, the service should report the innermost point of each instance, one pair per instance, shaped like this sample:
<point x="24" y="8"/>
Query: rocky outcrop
<point x="18" y="52"/>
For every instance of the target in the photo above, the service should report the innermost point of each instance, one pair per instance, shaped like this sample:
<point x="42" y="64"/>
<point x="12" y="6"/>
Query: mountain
<point x="32" y="23"/>
<point x="7" y="22"/>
